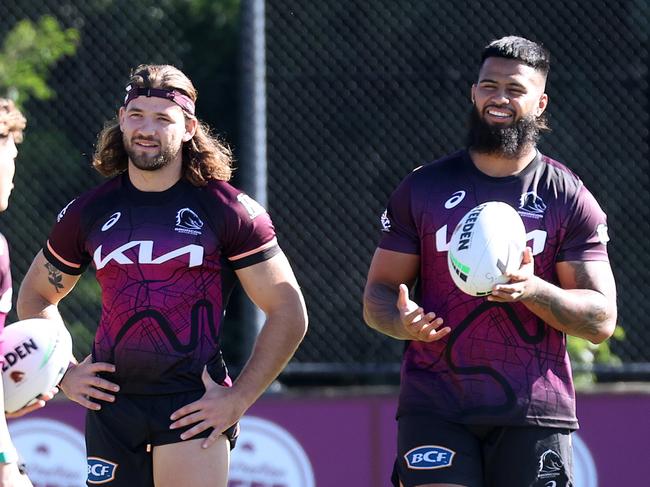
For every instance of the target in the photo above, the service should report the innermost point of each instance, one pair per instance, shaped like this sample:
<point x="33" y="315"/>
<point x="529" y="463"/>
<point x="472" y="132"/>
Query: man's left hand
<point x="522" y="284"/>
<point x="218" y="408"/>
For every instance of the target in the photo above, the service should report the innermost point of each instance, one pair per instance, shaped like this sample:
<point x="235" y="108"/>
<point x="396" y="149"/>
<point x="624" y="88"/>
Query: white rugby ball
<point x="36" y="354"/>
<point x="487" y="242"/>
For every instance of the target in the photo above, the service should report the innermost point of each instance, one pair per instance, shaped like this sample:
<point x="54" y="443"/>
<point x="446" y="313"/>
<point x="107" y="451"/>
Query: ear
<point x="473" y="93"/>
<point x="191" y="124"/>
<point x="120" y="117"/>
<point x="541" y="104"/>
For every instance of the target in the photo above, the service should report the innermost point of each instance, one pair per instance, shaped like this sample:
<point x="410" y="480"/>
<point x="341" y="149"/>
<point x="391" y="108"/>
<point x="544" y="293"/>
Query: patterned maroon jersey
<point x="501" y="364"/>
<point x="164" y="262"/>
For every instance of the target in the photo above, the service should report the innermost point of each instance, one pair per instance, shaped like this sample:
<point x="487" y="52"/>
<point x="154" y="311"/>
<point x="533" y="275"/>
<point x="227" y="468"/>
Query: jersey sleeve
<point x="400" y="233"/>
<point x="6" y="291"/>
<point x="586" y="237"/>
<point x="249" y="235"/>
<point x="64" y="248"/>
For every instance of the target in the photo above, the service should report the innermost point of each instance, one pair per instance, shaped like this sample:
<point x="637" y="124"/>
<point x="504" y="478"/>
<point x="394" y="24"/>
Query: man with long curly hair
<point x="168" y="237"/>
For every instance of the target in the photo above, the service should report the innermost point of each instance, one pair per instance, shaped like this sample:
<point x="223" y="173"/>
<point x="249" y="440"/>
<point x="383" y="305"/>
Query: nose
<point x="146" y="128"/>
<point x="500" y="98"/>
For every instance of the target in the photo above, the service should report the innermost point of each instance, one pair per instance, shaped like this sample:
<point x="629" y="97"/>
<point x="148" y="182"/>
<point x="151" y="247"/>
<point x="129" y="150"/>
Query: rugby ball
<point x="36" y="353"/>
<point x="488" y="242"/>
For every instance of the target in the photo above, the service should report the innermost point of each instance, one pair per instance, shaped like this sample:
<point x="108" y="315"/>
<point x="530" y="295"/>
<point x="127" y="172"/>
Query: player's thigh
<point x="186" y="463"/>
<point x="529" y="456"/>
<point x="434" y="452"/>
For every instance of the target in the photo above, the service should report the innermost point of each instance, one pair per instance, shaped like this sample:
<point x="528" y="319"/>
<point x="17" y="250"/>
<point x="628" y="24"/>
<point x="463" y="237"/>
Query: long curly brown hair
<point x="205" y="156"/>
<point x="11" y="120"/>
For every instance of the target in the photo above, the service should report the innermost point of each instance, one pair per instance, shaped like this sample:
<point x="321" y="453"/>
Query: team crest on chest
<point x="187" y="221"/>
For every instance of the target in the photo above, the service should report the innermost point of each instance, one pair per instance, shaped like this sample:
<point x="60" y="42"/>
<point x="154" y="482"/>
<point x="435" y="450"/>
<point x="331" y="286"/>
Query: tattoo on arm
<point x="54" y="276"/>
<point x="380" y="310"/>
<point x="585" y="318"/>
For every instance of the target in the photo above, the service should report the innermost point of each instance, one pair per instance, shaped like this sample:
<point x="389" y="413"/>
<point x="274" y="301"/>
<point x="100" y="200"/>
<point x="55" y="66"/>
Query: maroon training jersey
<point x="501" y="364"/>
<point x="164" y="262"/>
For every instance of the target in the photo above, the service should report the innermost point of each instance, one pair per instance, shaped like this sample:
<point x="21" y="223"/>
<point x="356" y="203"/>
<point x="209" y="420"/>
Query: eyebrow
<point x="140" y="110"/>
<point x="510" y="83"/>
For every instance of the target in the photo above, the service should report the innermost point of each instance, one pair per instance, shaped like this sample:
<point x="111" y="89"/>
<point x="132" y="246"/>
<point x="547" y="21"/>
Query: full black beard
<point x="510" y="141"/>
<point x="147" y="162"/>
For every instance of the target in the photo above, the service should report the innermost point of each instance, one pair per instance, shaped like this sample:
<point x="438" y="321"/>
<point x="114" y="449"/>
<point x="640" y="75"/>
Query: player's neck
<point x="155" y="181"/>
<point x="498" y="166"/>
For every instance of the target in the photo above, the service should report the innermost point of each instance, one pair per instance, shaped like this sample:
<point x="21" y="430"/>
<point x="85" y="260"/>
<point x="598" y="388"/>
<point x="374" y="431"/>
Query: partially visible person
<point x="486" y="393"/>
<point x="169" y="238"/>
<point x="12" y="124"/>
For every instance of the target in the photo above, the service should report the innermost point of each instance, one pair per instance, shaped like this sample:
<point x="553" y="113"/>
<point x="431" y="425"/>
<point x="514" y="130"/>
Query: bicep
<point x="591" y="275"/>
<point x="271" y="283"/>
<point x="390" y="268"/>
<point x="46" y="282"/>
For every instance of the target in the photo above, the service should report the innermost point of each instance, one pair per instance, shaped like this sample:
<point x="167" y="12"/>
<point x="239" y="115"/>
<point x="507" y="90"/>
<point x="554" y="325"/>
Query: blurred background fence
<point x="358" y="93"/>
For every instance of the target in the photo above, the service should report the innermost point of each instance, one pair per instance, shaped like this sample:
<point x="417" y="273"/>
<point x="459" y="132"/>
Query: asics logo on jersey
<point x="145" y="254"/>
<point x="111" y="221"/>
<point x="188" y="222"/>
<point x="456" y="198"/>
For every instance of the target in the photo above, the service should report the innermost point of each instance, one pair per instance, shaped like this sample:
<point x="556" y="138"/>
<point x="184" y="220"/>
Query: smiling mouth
<point x="499" y="113"/>
<point x="145" y="144"/>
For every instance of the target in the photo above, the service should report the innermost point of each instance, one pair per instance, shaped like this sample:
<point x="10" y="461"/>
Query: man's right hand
<point x="81" y="383"/>
<point x="419" y="325"/>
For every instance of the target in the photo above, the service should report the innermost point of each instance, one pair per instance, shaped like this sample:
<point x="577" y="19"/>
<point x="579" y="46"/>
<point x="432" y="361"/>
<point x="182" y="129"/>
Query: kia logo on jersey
<point x="145" y="254"/>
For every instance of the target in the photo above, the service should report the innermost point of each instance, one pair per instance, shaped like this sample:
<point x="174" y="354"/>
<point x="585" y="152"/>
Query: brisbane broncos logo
<point x="532" y="203"/>
<point x="188" y="222"/>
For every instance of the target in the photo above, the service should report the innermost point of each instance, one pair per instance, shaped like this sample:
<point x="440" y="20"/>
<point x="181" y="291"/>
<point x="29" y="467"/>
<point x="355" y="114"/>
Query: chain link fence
<point x="358" y="94"/>
<point x="54" y="163"/>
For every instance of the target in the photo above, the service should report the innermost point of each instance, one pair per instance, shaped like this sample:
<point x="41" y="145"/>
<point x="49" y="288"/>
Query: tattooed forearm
<point x="584" y="310"/>
<point x="380" y="311"/>
<point x="54" y="276"/>
<point x="583" y="320"/>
